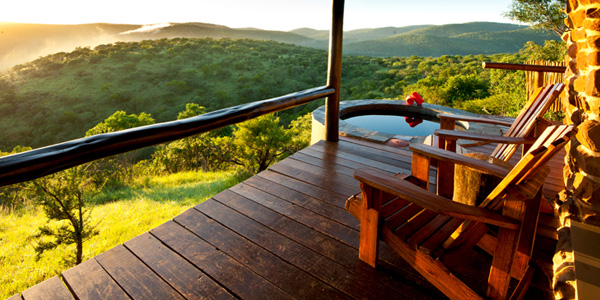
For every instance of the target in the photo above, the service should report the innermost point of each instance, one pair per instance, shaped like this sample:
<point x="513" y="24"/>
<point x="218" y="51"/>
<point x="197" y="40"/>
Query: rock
<point x="587" y="160"/>
<point x="592" y="87"/>
<point x="588" y="134"/>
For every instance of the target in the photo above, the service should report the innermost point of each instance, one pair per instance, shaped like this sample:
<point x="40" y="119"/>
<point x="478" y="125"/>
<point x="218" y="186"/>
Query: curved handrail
<point x="39" y="162"/>
<point x="524" y="67"/>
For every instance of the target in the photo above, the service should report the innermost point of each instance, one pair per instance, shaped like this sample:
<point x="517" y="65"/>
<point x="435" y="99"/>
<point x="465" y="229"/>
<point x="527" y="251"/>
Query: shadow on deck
<point x="281" y="234"/>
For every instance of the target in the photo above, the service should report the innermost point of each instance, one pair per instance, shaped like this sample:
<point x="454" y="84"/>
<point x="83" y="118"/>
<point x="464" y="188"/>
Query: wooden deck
<point x="281" y="234"/>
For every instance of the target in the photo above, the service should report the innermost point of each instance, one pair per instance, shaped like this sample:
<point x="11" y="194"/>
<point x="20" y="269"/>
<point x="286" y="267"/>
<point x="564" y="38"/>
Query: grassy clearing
<point x="120" y="214"/>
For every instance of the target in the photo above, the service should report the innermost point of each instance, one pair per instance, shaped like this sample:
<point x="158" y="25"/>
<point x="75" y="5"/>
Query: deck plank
<point x="303" y="200"/>
<point x="327" y="259"/>
<point x="385" y="252"/>
<point x="315" y="221"/>
<point x="364" y="159"/>
<point x="317" y="176"/>
<point x="325" y="159"/>
<point x="89" y="281"/>
<point x="379" y="146"/>
<point x="50" y="289"/>
<point x="385" y="157"/>
<point x="400" y="164"/>
<point x="241" y="281"/>
<point x="334" y="198"/>
<point x="133" y="276"/>
<point x="172" y="268"/>
<point x="281" y="273"/>
<point x="324" y="163"/>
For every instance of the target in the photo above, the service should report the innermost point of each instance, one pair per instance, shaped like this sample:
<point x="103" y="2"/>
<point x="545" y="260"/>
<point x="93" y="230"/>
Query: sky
<point x="281" y="15"/>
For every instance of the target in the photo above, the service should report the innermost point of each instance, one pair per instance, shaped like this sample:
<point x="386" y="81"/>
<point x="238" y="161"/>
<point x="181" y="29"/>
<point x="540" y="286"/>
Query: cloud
<point x="147" y="28"/>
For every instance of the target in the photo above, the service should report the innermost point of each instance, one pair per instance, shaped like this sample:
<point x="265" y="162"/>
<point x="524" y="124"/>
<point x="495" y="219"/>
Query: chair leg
<point x="499" y="277"/>
<point x="369" y="236"/>
<point x="504" y="255"/>
<point x="523" y="285"/>
<point x="369" y="224"/>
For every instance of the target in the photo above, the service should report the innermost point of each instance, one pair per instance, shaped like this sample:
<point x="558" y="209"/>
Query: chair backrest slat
<point x="560" y="136"/>
<point x="502" y="150"/>
<point x="530" y="109"/>
<point x="526" y="121"/>
<point x="546" y="146"/>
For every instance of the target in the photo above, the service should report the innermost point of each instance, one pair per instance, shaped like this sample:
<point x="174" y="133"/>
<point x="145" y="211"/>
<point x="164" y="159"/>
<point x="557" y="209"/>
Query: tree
<point x="542" y="14"/>
<point x="196" y="152"/>
<point x="14" y="195"/>
<point x="465" y="87"/>
<point x="300" y="133"/>
<point x="64" y="197"/>
<point x="551" y="50"/>
<point x="7" y="91"/>
<point x="258" y="143"/>
<point x="191" y="110"/>
<point x="120" y="120"/>
<point x="117" y="168"/>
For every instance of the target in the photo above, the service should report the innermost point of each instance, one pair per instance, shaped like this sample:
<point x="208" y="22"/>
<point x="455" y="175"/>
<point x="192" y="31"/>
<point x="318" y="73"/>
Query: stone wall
<point x="581" y="199"/>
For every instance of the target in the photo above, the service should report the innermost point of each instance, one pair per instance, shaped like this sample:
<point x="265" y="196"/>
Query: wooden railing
<point x="44" y="161"/>
<point x="537" y="74"/>
<point x="524" y="67"/>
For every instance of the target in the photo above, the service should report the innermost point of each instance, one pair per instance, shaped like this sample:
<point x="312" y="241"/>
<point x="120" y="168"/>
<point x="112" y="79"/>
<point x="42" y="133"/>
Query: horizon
<point x="166" y="24"/>
<point x="260" y="14"/>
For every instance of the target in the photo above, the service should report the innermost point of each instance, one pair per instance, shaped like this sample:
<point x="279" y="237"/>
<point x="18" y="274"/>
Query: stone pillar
<point x="581" y="198"/>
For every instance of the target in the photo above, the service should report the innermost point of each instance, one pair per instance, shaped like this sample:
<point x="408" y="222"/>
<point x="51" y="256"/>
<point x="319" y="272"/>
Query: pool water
<point x="395" y="124"/>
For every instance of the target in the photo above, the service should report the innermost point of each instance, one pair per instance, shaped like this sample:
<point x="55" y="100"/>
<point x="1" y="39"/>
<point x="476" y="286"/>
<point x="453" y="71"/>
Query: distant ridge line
<point x="25" y="42"/>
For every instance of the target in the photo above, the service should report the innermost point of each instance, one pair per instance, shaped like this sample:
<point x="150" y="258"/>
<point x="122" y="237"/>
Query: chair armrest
<point x="443" y="155"/>
<point x="474" y="119"/>
<point x="466" y="135"/>
<point x="431" y="201"/>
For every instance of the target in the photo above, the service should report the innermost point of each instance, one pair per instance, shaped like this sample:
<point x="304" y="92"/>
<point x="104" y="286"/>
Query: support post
<point x="334" y="72"/>
<point x="445" y="169"/>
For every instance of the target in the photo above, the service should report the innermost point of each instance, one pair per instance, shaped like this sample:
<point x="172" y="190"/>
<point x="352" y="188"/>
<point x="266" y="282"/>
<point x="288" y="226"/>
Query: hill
<point x="449" y="30"/>
<point x="20" y="43"/>
<point x="203" y="30"/>
<point x="434" y="40"/>
<point x="457" y="39"/>
<point x="60" y="96"/>
<point x="358" y="34"/>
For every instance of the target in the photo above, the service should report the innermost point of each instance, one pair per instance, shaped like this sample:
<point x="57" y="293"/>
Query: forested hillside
<point x="451" y="40"/>
<point x="60" y="96"/>
<point x="359" y="34"/>
<point x="20" y="43"/>
<point x="23" y="42"/>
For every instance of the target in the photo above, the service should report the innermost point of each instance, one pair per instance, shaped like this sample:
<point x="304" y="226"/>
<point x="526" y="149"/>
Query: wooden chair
<point x="438" y="236"/>
<point x="527" y="126"/>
